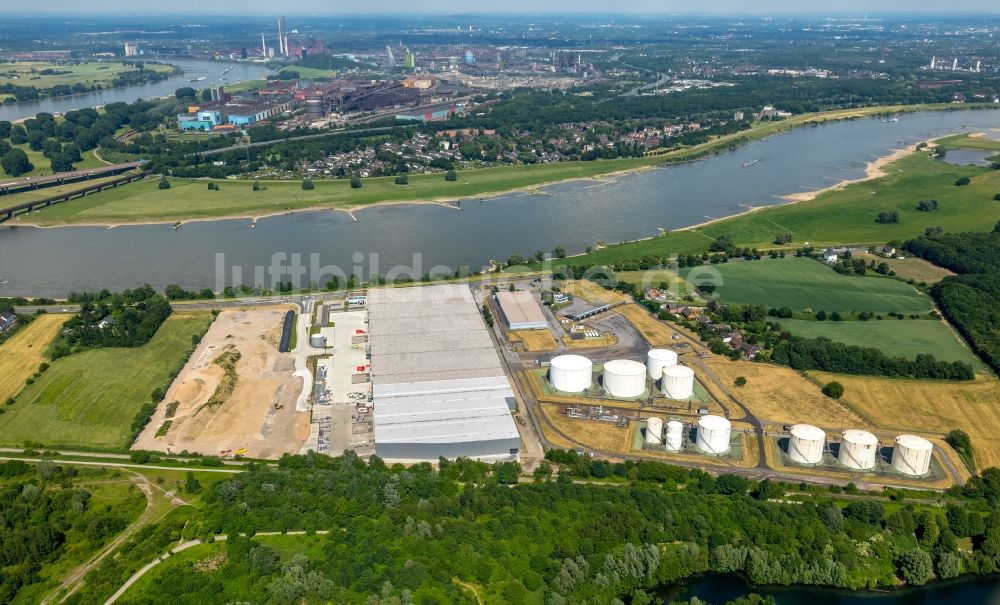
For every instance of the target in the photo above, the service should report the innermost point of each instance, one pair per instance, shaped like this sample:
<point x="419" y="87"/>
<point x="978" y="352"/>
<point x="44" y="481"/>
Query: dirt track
<point x="256" y="404"/>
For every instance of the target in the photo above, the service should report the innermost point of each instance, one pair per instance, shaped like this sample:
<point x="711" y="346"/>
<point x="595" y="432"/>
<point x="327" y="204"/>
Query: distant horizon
<point x="527" y="8"/>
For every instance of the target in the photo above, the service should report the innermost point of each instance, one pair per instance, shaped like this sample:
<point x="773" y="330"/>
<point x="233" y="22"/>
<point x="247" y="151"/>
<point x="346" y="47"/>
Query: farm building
<point x="7" y="319"/>
<point x="520" y="310"/>
<point x="437" y="383"/>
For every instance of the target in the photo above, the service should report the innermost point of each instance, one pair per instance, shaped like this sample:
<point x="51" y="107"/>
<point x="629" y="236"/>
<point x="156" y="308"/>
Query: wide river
<point x="212" y="71"/>
<point x="51" y="262"/>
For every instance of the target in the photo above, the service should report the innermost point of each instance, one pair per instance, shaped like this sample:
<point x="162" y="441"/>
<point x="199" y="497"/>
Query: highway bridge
<point x="9" y="212"/>
<point x="61" y="178"/>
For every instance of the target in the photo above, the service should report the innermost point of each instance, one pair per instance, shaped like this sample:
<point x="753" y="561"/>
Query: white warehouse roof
<point x="438" y="386"/>
<point x="521" y="311"/>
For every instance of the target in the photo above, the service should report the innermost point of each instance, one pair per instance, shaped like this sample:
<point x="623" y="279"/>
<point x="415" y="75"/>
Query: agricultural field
<point x="802" y="283"/>
<point x="591" y="292"/>
<point x="656" y="278"/>
<point x="780" y="394"/>
<point x="90" y="399"/>
<point x="846" y="215"/>
<point x="25" y="351"/>
<point x="27" y="73"/>
<point x="896" y="338"/>
<point x="910" y="267"/>
<point x="934" y="406"/>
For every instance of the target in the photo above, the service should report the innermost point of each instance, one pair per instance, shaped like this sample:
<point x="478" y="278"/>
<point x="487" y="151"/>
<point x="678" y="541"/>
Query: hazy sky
<point x="493" y="6"/>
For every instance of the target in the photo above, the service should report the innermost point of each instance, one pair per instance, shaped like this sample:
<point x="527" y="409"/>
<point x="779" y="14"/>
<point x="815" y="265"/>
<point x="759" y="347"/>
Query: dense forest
<point x="969" y="300"/>
<point x="420" y="535"/>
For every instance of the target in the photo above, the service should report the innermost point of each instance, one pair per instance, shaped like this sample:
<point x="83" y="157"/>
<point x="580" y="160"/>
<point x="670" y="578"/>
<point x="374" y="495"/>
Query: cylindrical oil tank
<point x="858" y="449"/>
<point x="317" y="341"/>
<point x="713" y="434"/>
<point x="912" y="455"/>
<point x="678" y="382"/>
<point x="657" y="359"/>
<point x="571" y="373"/>
<point x="806" y="444"/>
<point x="675" y="435"/>
<point x="654" y="430"/>
<point x="314" y="106"/>
<point x="624" y="378"/>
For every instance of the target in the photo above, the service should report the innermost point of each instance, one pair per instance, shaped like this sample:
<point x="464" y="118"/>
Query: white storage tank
<point x="858" y="449"/>
<point x="571" y="373"/>
<point x="806" y="444"/>
<point x="624" y="378"/>
<point x="657" y="359"/>
<point x="912" y="455"/>
<point x="678" y="382"/>
<point x="675" y="435"/>
<point x="713" y="434"/>
<point x="317" y="341"/>
<point x="654" y="430"/>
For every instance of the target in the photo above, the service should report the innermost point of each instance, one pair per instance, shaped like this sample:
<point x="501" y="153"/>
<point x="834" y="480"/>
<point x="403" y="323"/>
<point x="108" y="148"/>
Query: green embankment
<point x="90" y="399"/>
<point x="191" y="199"/>
<point x="847" y="215"/>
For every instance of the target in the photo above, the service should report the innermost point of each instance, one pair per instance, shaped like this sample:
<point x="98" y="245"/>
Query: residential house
<point x="888" y="251"/>
<point x="749" y="350"/>
<point x="7" y="319"/>
<point x="830" y="255"/>
<point x="107" y="322"/>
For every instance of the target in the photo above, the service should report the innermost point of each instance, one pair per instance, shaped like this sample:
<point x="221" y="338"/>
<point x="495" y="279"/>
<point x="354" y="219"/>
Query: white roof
<point x="714" y="422"/>
<point x="914" y="442"/>
<point x="447" y="411"/>
<point x="520" y="307"/>
<point x="807" y="431"/>
<point x="572" y="362"/>
<point x="678" y="371"/>
<point x="436" y="377"/>
<point x="860" y="437"/>
<point x="624" y="367"/>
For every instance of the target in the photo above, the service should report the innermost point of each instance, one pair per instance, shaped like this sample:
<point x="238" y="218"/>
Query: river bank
<point x="495" y="182"/>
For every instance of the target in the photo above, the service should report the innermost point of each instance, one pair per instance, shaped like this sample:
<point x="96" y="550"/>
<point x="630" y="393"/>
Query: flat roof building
<point x="521" y="311"/>
<point x="438" y="386"/>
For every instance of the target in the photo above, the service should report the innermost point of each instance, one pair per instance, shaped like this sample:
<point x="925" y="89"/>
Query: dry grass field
<point x="597" y="434"/>
<point x="913" y="268"/>
<point x="932" y="406"/>
<point x="781" y="395"/>
<point x="534" y="340"/>
<point x="591" y="292"/>
<point x="655" y="331"/>
<point x="21" y="355"/>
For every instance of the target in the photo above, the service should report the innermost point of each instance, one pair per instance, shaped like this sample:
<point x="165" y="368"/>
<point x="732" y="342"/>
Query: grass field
<point x="20" y="73"/>
<point x="847" y="215"/>
<point x="913" y="268"/>
<point x="21" y="355"/>
<point x="143" y="202"/>
<point x="90" y="399"/>
<point x="653" y="330"/>
<point x="896" y="338"/>
<point x="781" y="395"/>
<point x="802" y="283"/>
<point x="930" y="405"/>
<point x="534" y="340"/>
<point x="43" y="166"/>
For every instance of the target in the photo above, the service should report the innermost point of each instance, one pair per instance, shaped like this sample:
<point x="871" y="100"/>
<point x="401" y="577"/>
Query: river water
<point x="212" y="71"/>
<point x="576" y="214"/>
<point x="721" y="588"/>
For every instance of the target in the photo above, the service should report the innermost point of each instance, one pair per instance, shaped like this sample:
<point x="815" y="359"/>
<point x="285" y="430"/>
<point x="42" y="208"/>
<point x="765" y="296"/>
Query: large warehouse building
<point x="521" y="311"/>
<point x="437" y="383"/>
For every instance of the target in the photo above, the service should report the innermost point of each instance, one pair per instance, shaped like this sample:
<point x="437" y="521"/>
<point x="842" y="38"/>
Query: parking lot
<point x="342" y="409"/>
